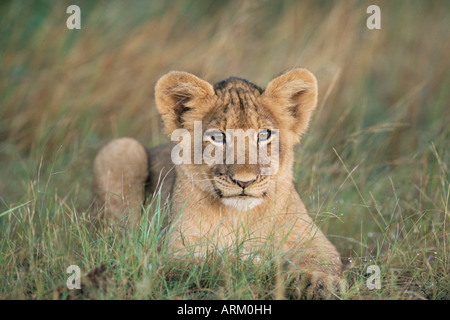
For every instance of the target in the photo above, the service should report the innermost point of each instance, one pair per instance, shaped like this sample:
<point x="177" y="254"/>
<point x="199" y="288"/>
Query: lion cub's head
<point x="239" y="137"/>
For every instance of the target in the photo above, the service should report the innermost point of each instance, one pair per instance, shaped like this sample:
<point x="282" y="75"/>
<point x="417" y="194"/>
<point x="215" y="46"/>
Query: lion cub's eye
<point x="264" y="135"/>
<point x="217" y="136"/>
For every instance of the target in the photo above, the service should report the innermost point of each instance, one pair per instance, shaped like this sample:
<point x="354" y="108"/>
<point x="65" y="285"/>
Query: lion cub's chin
<point x="242" y="204"/>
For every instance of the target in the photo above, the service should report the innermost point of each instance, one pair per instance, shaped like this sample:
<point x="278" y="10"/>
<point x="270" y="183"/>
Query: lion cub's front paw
<point x="318" y="285"/>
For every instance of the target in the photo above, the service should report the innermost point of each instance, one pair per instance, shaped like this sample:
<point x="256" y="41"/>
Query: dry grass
<point x="373" y="168"/>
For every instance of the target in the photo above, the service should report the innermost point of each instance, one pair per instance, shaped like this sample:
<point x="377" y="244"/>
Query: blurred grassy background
<point x="373" y="168"/>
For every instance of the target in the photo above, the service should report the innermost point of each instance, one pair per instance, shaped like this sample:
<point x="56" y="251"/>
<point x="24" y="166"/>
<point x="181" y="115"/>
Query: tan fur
<point x="202" y="196"/>
<point x="120" y="171"/>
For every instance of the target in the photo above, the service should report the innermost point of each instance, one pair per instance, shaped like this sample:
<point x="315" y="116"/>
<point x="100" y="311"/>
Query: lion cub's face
<point x="248" y="132"/>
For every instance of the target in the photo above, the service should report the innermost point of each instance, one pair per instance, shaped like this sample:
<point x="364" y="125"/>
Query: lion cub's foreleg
<point x="120" y="173"/>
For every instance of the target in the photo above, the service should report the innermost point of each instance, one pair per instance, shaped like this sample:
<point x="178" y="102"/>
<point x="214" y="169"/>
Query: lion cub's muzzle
<point x="240" y="186"/>
<point x="241" y="192"/>
<point x="243" y="184"/>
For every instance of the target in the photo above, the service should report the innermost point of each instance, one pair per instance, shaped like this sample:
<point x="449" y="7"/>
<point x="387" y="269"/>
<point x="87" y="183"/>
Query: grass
<point x="372" y="170"/>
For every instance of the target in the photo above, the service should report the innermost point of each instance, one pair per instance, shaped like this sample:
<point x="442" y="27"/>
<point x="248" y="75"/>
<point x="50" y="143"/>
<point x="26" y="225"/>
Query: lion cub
<point x="215" y="204"/>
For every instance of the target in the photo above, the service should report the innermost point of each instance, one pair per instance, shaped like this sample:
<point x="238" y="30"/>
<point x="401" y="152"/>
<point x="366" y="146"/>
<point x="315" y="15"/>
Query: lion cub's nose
<point x="243" y="184"/>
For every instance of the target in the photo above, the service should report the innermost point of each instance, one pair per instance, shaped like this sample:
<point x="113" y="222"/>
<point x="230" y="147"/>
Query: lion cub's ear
<point x="293" y="96"/>
<point x="180" y="94"/>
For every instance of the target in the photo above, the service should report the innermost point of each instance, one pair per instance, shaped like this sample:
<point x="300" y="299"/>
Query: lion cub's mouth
<point x="242" y="202"/>
<point x="243" y="199"/>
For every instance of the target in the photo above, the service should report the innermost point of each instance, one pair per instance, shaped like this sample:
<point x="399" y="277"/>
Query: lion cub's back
<point x="161" y="170"/>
